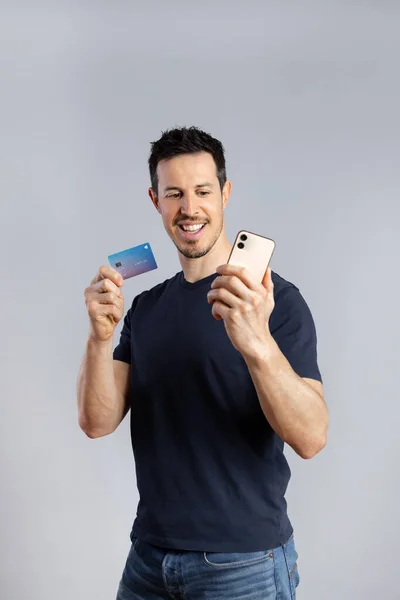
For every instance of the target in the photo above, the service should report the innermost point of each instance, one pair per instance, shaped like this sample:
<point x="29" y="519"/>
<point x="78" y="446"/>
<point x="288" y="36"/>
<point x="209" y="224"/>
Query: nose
<point x="189" y="204"/>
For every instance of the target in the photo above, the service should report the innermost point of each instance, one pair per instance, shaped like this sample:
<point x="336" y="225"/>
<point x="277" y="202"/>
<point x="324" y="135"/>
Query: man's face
<point x="190" y="202"/>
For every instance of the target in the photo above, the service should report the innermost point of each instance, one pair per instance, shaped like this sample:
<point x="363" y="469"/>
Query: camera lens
<point x="243" y="237"/>
<point x="240" y="245"/>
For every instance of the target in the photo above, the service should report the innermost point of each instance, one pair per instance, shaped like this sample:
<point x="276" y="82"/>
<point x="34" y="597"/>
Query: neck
<point x="195" y="269"/>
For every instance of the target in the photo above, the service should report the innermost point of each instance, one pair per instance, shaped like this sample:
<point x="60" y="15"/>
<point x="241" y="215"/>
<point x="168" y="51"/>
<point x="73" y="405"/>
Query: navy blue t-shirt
<point x="211" y="472"/>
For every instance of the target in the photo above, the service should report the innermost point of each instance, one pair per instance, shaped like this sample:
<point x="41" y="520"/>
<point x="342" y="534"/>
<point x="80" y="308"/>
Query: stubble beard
<point x="191" y="251"/>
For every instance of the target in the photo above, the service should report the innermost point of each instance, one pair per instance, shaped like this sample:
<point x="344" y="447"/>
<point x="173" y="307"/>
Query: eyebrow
<point x="199" y="185"/>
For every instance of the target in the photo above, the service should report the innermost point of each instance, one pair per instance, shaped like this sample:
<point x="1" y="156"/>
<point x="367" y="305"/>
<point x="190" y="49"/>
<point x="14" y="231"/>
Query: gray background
<point x="305" y="97"/>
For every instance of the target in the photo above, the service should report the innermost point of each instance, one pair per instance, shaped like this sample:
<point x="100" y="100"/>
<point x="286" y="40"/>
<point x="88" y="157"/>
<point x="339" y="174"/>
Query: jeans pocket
<point x="226" y="560"/>
<point x="295" y="577"/>
<point x="291" y="558"/>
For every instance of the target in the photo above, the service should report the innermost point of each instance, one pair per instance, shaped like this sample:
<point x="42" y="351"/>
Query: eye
<point x="176" y="195"/>
<point x="204" y="193"/>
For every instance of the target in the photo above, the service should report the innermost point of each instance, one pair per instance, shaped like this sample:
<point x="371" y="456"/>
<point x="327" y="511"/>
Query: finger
<point x="106" y="272"/>
<point x="106" y="285"/>
<point x="241" y="273"/>
<point x="267" y="282"/>
<point x="225" y="296"/>
<point x="110" y="298"/>
<point x="96" y="292"/>
<point x="219" y="311"/>
<point x="97" y="311"/>
<point x="233" y="284"/>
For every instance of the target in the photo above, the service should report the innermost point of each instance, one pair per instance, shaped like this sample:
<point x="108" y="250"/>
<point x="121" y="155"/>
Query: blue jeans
<point x="153" y="573"/>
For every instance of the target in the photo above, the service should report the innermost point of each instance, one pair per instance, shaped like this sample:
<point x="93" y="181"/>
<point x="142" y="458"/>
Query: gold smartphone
<point x="252" y="251"/>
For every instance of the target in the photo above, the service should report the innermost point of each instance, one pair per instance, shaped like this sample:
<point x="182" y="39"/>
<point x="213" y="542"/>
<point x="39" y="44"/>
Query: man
<point x="219" y="372"/>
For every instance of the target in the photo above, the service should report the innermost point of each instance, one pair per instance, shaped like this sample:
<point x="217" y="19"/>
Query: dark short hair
<point x="186" y="140"/>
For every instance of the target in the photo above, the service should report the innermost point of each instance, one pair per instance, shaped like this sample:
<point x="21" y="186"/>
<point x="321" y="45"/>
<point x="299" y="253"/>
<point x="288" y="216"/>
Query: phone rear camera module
<point x="243" y="237"/>
<point x="118" y="264"/>
<point x="240" y="245"/>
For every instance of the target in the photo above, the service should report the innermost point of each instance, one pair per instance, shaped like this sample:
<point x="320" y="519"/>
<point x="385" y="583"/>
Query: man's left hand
<point x="245" y="306"/>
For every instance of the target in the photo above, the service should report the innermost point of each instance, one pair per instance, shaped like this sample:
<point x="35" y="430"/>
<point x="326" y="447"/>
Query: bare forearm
<point x="97" y="393"/>
<point x="293" y="408"/>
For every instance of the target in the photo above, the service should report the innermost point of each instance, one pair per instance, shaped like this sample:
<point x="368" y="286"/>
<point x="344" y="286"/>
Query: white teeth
<point x="192" y="227"/>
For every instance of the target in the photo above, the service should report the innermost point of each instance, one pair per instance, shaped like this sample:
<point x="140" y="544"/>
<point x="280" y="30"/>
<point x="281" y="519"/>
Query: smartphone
<point x="134" y="261"/>
<point x="252" y="251"/>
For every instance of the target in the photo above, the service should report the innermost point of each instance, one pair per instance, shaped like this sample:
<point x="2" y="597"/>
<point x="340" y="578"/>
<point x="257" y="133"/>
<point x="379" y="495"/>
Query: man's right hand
<point x="105" y="303"/>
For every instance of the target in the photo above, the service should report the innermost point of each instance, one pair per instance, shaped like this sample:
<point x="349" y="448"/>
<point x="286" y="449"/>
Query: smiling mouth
<point x="192" y="228"/>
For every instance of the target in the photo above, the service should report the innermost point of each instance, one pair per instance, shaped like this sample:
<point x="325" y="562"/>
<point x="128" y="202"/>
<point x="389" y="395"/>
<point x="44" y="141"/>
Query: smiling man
<point x="219" y="372"/>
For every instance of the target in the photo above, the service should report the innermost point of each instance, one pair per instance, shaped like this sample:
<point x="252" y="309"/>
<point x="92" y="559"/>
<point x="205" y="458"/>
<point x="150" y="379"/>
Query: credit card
<point x="134" y="261"/>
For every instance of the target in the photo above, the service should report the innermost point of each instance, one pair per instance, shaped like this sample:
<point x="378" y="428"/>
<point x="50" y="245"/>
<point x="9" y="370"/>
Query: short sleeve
<point x="292" y="327"/>
<point x="123" y="349"/>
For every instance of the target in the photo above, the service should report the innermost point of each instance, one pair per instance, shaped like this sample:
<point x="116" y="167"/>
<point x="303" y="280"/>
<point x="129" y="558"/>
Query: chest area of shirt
<point x="181" y="332"/>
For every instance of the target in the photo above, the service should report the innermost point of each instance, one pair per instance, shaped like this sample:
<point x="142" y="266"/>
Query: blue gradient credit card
<point x="134" y="261"/>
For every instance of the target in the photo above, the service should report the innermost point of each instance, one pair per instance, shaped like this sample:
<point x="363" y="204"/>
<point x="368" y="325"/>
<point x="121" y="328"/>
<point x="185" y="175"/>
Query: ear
<point x="154" y="199"/>
<point x="226" y="192"/>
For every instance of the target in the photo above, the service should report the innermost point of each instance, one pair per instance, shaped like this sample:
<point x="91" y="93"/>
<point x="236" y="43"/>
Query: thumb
<point x="267" y="280"/>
